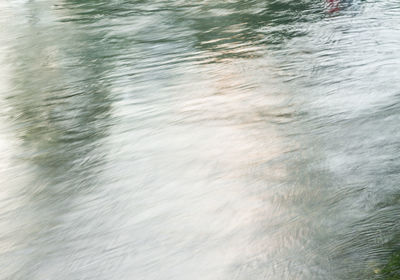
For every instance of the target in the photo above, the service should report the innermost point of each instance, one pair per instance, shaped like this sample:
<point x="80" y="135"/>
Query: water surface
<point x="198" y="139"/>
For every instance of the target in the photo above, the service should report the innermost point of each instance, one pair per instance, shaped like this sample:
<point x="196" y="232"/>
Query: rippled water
<point x="198" y="139"/>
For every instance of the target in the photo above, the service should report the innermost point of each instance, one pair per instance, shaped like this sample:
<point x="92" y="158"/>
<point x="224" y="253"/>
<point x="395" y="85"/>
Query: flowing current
<point x="223" y="139"/>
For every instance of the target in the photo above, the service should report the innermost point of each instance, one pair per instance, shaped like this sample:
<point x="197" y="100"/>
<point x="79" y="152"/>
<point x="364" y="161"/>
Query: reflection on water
<point x="201" y="140"/>
<point x="333" y="6"/>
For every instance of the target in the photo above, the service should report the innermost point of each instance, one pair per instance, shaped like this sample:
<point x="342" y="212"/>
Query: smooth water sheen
<point x="222" y="139"/>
